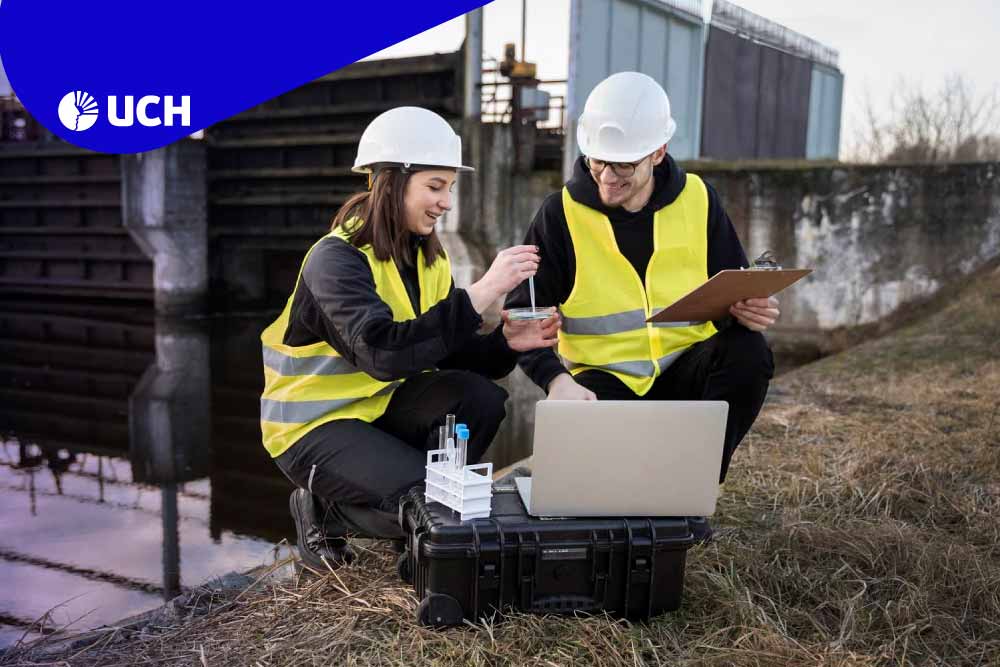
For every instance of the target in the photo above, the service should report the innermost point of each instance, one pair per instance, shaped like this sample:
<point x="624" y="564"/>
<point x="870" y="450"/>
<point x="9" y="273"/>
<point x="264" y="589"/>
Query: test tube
<point x="445" y="443"/>
<point x="449" y="438"/>
<point x="461" y="444"/>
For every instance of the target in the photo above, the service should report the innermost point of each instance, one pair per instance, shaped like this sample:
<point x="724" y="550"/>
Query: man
<point x="628" y="235"/>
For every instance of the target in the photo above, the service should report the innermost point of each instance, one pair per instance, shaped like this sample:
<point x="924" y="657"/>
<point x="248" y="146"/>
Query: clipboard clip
<point x="766" y="262"/>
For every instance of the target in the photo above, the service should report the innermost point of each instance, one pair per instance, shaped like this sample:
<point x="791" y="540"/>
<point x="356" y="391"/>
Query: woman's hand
<point x="755" y="314"/>
<point x="510" y="268"/>
<point x="524" y="335"/>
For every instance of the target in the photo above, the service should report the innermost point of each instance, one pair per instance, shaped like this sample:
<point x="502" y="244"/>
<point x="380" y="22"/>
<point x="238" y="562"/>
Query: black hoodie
<point x="634" y="235"/>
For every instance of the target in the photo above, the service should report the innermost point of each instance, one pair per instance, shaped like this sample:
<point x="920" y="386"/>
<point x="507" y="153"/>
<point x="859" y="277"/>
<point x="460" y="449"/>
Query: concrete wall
<point x="499" y="201"/>
<point x="880" y="239"/>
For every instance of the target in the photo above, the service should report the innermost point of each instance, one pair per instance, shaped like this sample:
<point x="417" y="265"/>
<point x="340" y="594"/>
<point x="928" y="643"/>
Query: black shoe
<point x="701" y="529"/>
<point x="316" y="549"/>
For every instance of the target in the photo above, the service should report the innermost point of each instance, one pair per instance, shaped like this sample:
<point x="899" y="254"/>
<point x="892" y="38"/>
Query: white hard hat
<point x="409" y="136"/>
<point x="626" y="117"/>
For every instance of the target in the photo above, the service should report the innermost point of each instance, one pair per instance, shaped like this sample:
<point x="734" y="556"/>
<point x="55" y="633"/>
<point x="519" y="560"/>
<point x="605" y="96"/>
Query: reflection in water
<point x="130" y="464"/>
<point x="169" y="427"/>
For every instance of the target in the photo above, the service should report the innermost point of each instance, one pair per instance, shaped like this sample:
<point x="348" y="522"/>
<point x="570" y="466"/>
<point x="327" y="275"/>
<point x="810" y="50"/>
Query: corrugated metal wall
<point x="663" y="40"/>
<point x="756" y="99"/>
<point x="825" y="103"/>
<point x="61" y="230"/>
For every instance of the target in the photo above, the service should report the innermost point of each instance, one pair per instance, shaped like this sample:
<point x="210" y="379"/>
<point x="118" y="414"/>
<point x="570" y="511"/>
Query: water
<point x="130" y="462"/>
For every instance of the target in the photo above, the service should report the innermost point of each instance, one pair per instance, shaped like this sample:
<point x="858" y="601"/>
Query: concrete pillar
<point x="170" y="427"/>
<point x="171" y="562"/>
<point x="473" y="64"/>
<point x="457" y="230"/>
<point x="164" y="208"/>
<point x="169" y="410"/>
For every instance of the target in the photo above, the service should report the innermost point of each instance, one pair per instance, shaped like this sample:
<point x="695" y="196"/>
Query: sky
<point x="880" y="42"/>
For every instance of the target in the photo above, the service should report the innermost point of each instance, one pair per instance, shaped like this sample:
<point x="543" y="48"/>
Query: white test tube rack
<point x="467" y="490"/>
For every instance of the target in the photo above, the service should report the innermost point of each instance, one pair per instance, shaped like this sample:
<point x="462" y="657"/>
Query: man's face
<point x="626" y="190"/>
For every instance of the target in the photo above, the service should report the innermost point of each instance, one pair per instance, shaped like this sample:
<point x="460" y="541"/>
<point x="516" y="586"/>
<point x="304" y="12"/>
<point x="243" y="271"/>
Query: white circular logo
<point x="78" y="111"/>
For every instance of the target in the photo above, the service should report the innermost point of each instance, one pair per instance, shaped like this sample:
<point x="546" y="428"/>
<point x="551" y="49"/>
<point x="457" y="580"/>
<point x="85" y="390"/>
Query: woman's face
<point x="426" y="198"/>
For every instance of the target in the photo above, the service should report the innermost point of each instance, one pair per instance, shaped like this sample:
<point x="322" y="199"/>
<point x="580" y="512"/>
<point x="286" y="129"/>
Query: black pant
<point x="735" y="365"/>
<point x="359" y="470"/>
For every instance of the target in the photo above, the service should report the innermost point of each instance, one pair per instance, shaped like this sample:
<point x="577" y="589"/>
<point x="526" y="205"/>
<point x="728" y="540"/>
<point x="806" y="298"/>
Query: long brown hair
<point x="381" y="220"/>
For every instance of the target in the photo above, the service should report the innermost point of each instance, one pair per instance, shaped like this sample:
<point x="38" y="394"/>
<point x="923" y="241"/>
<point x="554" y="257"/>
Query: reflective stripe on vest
<point x="615" y="323"/>
<point x="639" y="369"/>
<point x="604" y="317"/>
<point x="300" y="412"/>
<point x="306" y="386"/>
<point x="283" y="364"/>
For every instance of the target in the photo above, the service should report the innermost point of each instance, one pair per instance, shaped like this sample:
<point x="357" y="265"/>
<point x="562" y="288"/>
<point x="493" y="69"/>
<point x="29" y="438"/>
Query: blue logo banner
<point x="123" y="77"/>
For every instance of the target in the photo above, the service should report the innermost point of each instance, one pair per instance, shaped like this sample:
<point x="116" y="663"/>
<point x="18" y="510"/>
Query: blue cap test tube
<point x="461" y="445"/>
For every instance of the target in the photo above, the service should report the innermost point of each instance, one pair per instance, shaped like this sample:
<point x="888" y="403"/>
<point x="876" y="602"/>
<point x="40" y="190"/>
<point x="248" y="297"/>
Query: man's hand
<point x="524" y="335"/>
<point x="564" y="388"/>
<point x="755" y="314"/>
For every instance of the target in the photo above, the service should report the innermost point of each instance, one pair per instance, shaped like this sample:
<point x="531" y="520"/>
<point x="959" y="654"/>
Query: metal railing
<point x="498" y="99"/>
<point x="694" y="7"/>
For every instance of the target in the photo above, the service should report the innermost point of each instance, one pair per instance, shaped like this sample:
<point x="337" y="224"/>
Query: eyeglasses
<point x="620" y="169"/>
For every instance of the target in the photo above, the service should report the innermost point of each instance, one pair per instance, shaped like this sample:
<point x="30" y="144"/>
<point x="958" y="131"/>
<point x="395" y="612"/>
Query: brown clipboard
<point x="711" y="300"/>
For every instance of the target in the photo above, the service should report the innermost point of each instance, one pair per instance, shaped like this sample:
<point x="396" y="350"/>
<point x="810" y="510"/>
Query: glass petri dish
<point x="516" y="314"/>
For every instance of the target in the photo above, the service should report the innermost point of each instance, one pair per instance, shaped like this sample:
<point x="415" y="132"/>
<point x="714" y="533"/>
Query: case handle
<point x="565" y="604"/>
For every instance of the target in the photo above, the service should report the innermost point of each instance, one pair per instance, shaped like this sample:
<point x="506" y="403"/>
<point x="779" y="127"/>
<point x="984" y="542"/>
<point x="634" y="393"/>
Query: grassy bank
<point x="860" y="526"/>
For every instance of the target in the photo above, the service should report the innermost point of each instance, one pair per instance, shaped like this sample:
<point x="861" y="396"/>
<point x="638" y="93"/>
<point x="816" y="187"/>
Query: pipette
<point x="531" y="290"/>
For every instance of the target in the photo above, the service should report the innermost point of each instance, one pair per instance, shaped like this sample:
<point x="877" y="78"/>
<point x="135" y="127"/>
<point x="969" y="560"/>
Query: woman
<point x="376" y="345"/>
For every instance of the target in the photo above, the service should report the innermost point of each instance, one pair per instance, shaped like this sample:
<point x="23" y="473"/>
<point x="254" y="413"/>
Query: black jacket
<point x="634" y="235"/>
<point x="335" y="301"/>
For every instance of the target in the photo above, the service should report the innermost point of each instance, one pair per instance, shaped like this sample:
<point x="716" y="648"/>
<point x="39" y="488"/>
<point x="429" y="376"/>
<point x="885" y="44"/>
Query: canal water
<point x="130" y="462"/>
<point x="131" y="466"/>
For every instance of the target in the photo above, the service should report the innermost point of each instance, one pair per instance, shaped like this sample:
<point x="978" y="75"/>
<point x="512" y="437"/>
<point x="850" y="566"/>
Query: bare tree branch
<point x="953" y="124"/>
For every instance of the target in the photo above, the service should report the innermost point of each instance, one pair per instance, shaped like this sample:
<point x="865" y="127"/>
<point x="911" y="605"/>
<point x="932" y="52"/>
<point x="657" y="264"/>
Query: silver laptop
<point x="625" y="458"/>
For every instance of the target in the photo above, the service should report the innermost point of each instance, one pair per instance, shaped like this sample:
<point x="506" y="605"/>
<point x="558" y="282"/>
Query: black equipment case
<point x="627" y="567"/>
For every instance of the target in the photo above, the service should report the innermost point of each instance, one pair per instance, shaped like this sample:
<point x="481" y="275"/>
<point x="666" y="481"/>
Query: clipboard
<point x="711" y="300"/>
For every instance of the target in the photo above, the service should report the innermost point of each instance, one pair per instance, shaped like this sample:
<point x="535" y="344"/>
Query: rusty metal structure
<point x="60" y="225"/>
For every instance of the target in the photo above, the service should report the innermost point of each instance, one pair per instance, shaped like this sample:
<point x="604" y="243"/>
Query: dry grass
<point x="859" y="527"/>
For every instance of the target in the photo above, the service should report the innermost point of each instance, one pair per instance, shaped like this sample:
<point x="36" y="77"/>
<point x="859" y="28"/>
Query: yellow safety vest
<point x="604" y="317"/>
<point x="309" y="385"/>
